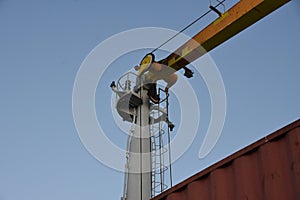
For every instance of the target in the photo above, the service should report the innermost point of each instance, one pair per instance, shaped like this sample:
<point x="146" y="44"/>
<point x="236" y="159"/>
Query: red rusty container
<point x="268" y="169"/>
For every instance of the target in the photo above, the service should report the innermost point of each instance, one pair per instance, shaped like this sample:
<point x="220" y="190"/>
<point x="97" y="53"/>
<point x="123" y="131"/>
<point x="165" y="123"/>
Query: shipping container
<point x="268" y="169"/>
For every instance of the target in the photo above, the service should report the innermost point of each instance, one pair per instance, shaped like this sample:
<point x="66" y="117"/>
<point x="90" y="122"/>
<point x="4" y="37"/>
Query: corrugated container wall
<point x="268" y="169"/>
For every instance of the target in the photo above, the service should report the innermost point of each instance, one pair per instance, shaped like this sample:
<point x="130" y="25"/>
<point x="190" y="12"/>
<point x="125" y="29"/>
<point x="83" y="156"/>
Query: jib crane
<point x="239" y="17"/>
<point x="134" y="105"/>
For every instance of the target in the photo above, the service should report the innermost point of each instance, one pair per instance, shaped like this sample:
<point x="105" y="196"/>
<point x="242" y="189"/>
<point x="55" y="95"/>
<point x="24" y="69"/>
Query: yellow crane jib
<point x="239" y="17"/>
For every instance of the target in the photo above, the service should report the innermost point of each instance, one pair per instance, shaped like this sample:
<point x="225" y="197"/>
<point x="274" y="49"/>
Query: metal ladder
<point x="161" y="154"/>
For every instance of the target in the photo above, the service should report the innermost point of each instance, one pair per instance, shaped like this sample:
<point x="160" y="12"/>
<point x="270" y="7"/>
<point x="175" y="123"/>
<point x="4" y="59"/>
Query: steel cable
<point x="189" y="25"/>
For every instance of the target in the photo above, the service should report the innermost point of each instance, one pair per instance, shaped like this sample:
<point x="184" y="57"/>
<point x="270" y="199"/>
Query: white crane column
<point x="139" y="161"/>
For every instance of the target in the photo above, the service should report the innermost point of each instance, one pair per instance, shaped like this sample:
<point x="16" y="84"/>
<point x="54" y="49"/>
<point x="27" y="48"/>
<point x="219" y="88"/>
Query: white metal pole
<point x="139" y="165"/>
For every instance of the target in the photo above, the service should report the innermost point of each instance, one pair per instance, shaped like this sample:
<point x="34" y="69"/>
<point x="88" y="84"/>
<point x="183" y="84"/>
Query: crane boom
<point x="239" y="17"/>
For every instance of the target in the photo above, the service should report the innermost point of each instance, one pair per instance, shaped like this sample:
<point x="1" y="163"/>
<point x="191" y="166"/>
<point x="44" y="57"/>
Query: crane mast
<point x="146" y="155"/>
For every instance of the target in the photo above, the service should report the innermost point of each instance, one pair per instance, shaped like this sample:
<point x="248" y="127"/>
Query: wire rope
<point x="141" y="162"/>
<point x="189" y="25"/>
<point x="169" y="143"/>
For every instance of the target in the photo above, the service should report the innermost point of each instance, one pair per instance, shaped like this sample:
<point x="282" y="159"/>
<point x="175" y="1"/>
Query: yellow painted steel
<point x="145" y="64"/>
<point x="239" y="17"/>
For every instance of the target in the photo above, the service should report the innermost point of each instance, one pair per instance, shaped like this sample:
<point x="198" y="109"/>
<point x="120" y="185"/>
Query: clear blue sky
<point x="42" y="45"/>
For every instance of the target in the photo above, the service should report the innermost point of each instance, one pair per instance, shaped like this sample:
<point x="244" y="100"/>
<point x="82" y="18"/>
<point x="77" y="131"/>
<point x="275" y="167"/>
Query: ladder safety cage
<point x="159" y="130"/>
